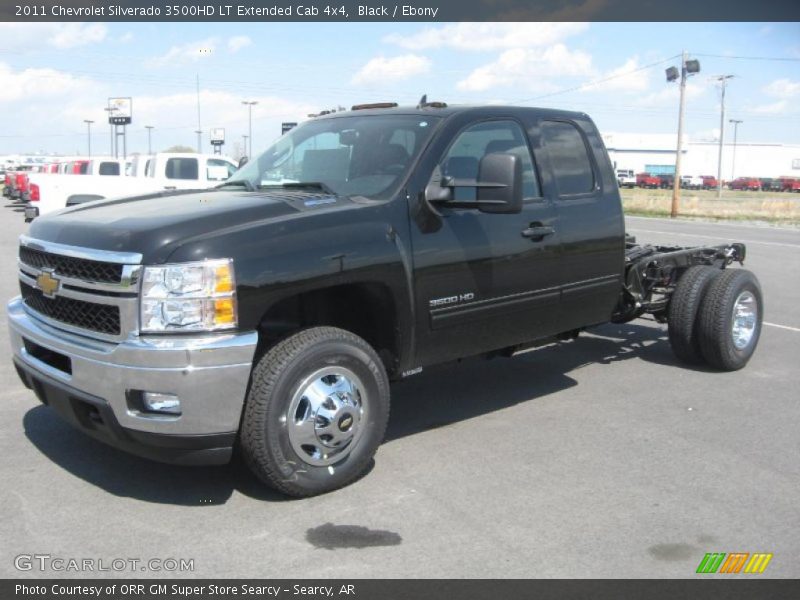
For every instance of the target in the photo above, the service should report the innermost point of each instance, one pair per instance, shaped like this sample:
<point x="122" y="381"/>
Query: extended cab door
<point x="482" y="281"/>
<point x="579" y="181"/>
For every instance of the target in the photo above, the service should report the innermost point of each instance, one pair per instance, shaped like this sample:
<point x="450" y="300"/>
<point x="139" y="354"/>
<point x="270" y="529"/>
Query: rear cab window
<point x="182" y="168"/>
<point x="108" y="168"/>
<point x="569" y="158"/>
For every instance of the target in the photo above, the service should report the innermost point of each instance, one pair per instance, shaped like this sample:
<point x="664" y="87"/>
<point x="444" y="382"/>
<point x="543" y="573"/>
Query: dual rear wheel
<point x="715" y="317"/>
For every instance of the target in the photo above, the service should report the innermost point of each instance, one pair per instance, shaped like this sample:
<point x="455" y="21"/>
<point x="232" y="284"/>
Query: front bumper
<point x="93" y="385"/>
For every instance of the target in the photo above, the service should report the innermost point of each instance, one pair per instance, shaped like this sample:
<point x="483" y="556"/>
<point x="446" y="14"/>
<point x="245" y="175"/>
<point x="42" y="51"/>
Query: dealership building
<point x="655" y="153"/>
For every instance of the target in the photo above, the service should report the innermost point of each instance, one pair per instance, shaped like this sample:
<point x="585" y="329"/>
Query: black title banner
<point x="410" y="10"/>
<point x="390" y="589"/>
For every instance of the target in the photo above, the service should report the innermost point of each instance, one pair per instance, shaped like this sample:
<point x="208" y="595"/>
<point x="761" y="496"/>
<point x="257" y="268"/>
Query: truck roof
<point x="447" y="111"/>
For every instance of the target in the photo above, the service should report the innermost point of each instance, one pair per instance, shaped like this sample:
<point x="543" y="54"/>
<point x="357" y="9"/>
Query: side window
<point x="472" y="144"/>
<point x="182" y="168"/>
<point x="569" y="157"/>
<point x="219" y="170"/>
<point x="108" y="168"/>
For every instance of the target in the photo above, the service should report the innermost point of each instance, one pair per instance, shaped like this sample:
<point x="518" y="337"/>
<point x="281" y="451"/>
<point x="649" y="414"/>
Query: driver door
<point x="481" y="281"/>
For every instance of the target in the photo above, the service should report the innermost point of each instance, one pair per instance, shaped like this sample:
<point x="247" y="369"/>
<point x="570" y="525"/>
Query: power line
<point x="774" y="58"/>
<point x="597" y="81"/>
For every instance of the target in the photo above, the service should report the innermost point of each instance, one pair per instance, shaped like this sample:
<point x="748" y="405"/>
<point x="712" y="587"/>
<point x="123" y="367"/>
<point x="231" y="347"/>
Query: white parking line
<point x="697" y="235"/>
<point x="782" y="326"/>
<point x="701" y="223"/>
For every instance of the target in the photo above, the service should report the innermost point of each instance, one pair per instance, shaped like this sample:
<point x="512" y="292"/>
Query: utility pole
<point x="149" y="145"/>
<point x="89" y="136"/>
<point x="723" y="80"/>
<point x="244" y="145"/>
<point x="736" y="123"/>
<point x="250" y="105"/>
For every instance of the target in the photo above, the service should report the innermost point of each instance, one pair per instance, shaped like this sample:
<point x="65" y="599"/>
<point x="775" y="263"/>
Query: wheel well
<point x="365" y="309"/>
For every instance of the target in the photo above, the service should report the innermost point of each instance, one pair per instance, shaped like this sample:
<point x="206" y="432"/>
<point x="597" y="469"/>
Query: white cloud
<point x="190" y="51"/>
<point x="668" y="95"/>
<point x="238" y="42"/>
<point x="530" y="69"/>
<point x="59" y="35"/>
<point x="772" y="108"/>
<point x="382" y="69"/>
<point x="623" y="79"/>
<point x="38" y="83"/>
<point x="126" y="37"/>
<point x="783" y="88"/>
<point x="487" y="36"/>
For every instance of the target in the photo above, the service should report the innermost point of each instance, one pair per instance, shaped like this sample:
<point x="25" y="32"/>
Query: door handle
<point x="537" y="232"/>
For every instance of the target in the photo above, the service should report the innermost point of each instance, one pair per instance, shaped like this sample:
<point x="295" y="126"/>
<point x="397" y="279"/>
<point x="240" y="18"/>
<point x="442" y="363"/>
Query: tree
<point x="180" y="148"/>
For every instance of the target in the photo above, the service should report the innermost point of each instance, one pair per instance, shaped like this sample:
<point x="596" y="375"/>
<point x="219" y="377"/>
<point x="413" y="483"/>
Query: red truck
<point x="789" y="184"/>
<point x="646" y="180"/>
<point x="745" y="184"/>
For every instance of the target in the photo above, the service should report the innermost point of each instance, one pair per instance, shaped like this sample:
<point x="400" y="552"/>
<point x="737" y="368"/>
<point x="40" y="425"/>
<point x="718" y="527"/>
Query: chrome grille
<point x="102" y="318"/>
<point x="96" y="291"/>
<point x="68" y="266"/>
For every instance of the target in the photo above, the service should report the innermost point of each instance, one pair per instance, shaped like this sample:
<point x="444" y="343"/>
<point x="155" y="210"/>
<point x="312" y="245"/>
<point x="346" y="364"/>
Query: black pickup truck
<point x="271" y="313"/>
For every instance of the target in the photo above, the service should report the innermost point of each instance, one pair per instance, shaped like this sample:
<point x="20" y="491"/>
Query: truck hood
<point x="155" y="224"/>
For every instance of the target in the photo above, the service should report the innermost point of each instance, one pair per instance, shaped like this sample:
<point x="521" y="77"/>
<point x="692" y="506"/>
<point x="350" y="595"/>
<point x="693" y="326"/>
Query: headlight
<point x="197" y="296"/>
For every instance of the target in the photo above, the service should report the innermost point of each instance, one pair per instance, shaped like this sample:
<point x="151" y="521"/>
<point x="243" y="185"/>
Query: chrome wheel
<point x="325" y="416"/>
<point x="745" y="317"/>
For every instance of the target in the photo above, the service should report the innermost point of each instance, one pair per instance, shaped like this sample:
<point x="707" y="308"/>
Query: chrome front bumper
<point x="208" y="373"/>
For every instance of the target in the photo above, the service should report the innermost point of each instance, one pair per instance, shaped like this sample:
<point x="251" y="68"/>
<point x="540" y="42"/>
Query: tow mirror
<point x="499" y="186"/>
<point x="500" y="183"/>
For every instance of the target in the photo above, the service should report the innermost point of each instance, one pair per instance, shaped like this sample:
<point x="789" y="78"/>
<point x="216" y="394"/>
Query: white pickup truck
<point x="165" y="171"/>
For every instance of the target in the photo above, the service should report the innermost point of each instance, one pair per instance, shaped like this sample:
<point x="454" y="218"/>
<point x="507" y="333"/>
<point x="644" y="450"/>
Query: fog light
<point x="161" y="403"/>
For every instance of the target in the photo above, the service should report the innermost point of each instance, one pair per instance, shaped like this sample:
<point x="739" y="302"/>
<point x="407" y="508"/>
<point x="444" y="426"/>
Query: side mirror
<point x="499" y="186"/>
<point x="243" y="161"/>
<point x="500" y="183"/>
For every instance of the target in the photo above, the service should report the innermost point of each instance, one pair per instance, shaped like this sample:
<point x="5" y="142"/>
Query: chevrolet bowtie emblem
<point x="47" y="283"/>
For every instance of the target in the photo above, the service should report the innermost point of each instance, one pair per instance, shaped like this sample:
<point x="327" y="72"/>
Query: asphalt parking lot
<point x="601" y="457"/>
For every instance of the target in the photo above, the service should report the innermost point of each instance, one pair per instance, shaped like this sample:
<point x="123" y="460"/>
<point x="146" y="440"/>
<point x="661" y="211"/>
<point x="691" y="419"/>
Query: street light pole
<point x="110" y="110"/>
<point x="89" y="136"/>
<point x="736" y="123"/>
<point x="723" y="80"/>
<point x="149" y="145"/>
<point x="250" y="104"/>
<point x="688" y="67"/>
<point x="676" y="184"/>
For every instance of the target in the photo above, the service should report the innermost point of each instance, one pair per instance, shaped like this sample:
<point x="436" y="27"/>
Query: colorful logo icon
<point x="734" y="562"/>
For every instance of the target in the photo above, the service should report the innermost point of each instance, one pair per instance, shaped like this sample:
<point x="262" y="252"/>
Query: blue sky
<point x="53" y="76"/>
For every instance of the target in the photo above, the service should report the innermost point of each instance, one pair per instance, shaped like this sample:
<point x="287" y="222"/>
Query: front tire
<point x="316" y="412"/>
<point x="730" y="319"/>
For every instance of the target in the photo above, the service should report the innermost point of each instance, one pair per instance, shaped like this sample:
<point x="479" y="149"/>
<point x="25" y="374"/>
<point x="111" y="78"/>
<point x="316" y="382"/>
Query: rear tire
<point x="730" y="319"/>
<point x="316" y="412"/>
<point x="683" y="309"/>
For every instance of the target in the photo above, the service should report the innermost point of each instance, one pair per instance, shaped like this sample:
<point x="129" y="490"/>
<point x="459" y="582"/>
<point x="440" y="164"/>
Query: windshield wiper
<point x="301" y="185"/>
<point x="240" y="182"/>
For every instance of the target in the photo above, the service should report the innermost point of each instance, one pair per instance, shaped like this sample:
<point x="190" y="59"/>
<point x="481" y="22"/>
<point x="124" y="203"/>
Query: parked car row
<point x="49" y="187"/>
<point x="625" y="178"/>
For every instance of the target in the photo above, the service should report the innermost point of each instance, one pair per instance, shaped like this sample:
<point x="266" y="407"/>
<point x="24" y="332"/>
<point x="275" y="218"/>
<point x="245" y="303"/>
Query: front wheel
<point x="730" y="319"/>
<point x="316" y="412"/>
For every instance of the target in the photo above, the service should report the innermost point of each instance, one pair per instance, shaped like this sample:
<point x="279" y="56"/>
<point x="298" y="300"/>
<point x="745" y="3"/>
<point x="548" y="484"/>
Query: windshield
<point x="352" y="156"/>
